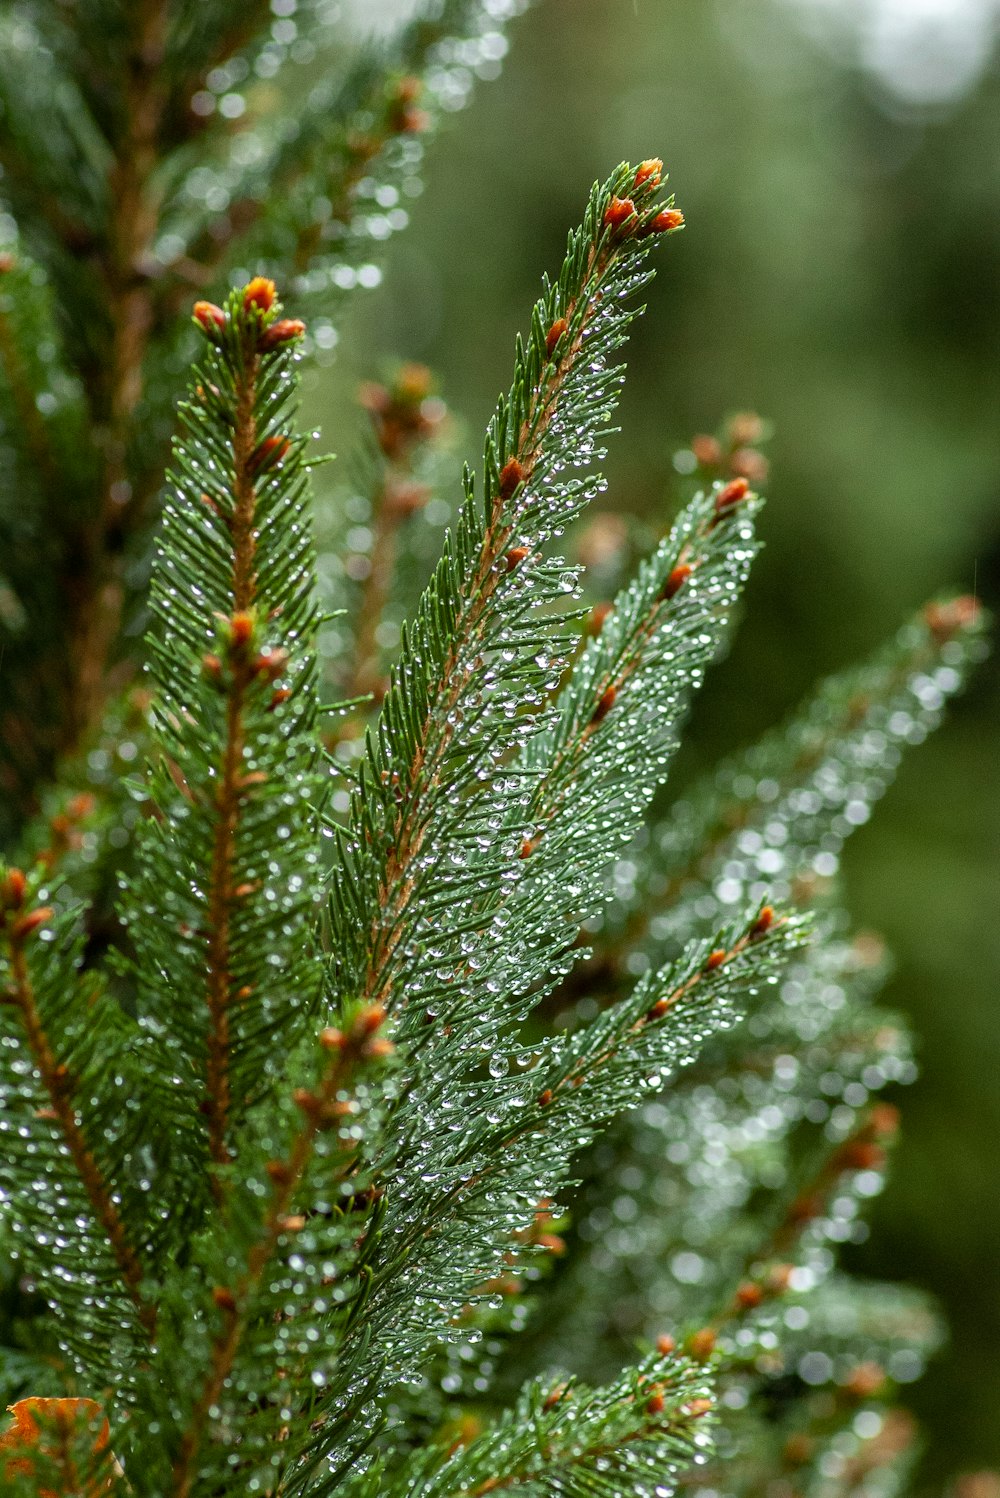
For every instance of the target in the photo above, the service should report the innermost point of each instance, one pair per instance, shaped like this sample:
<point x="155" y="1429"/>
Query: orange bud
<point x="675" y="582"/>
<point x="649" y="171"/>
<point x="268" y="453"/>
<point x="515" y="556"/>
<point x="379" y="1049"/>
<point x="745" y="429"/>
<point x="369" y="1020"/>
<point x="656" y="1403"/>
<point x="331" y="1039"/>
<point x="663" y="223"/>
<point x="293" y="1223"/>
<point x="47" y="1426"/>
<point x="553" y="1397"/>
<point x="865" y="1380"/>
<point x="779" y="1277"/>
<point x="946" y="619"/>
<point x="605" y="705"/>
<point x="278" y="696"/>
<point x="12" y="890"/>
<point x="31" y="922"/>
<point x="697" y="1407"/>
<point x="285" y="330"/>
<point x="748" y="1295"/>
<point x="884" y="1120"/>
<point x="660" y="1008"/>
<point x="7" y="263"/>
<point x="528" y="847"/>
<point x="554" y="334"/>
<point x="618" y="212"/>
<point x="552" y="1242"/>
<point x="545" y="1097"/>
<point x="862" y="1154"/>
<point x="665" y="1345"/>
<point x="731" y="495"/>
<point x="240" y="630"/>
<point x="707" y="450"/>
<point x="279" y="1172"/>
<point x="259" y="293"/>
<point x="715" y="959"/>
<point x="270" y="663"/>
<point x="701" y="1344"/>
<point x="512" y="475"/>
<point x="763" y="923"/>
<point x="224" y="1299"/>
<point x="209" y="317"/>
<point x="211" y="669"/>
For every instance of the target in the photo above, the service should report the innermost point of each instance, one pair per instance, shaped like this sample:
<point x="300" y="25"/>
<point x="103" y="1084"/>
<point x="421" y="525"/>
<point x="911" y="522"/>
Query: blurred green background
<point x="838" y="162"/>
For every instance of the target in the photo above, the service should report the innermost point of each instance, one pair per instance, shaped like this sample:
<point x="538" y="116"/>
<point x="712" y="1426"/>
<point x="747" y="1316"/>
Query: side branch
<point x="59" y="1086"/>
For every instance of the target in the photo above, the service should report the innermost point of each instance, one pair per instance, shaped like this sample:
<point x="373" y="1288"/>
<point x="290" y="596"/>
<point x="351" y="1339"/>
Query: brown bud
<point x="512" y="476"/>
<point x="660" y="1008"/>
<point x="675" y="582"/>
<point x="211" y="669"/>
<point x="12" y="889"/>
<point x="554" y="334"/>
<point x="554" y="1395"/>
<point x="285" y="330"/>
<point x="665" y="1345"/>
<point x="663" y="223"/>
<point x="268" y="453"/>
<point x="7" y="263"/>
<point x="806" y="1208"/>
<point x="259" y="293"/>
<point x="515" y="557"/>
<point x="249" y="887"/>
<point x="80" y="806"/>
<point x="605" y="705"/>
<point x="379" y="1049"/>
<point x="368" y="1021"/>
<point x="528" y="847"/>
<point x="270" y="664"/>
<point x="552" y="1242"/>
<point x="618" y="212"/>
<point x="278" y="696"/>
<point x="715" y="959"/>
<point x="656" y="1403"/>
<point x="778" y="1278"/>
<point x="799" y="1449"/>
<point x="748" y="1295"/>
<point x="545" y="1097"/>
<point x="701" y="1345"/>
<point x="332" y="1039"/>
<point x="763" y="923"/>
<point x="748" y="463"/>
<point x="410" y="121"/>
<point x="745" y="429"/>
<point x="649" y="171"/>
<point x="224" y="1299"/>
<point x="293" y="1223"/>
<point x="707" y="450"/>
<point x="31" y="922"/>
<point x="209" y="317"/>
<point x="278" y="1172"/>
<point x="731" y="494"/>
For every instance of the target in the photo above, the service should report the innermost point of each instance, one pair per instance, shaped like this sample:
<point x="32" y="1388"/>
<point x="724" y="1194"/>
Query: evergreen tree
<point x="368" y="1061"/>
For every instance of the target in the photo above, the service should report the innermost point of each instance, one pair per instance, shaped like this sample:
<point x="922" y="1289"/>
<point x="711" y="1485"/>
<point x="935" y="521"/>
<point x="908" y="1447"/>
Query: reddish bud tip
<point x="528" y="847"/>
<point x="240" y="630"/>
<point x="209" y="317"/>
<point x="554" y="334"/>
<point x="410" y="121"/>
<point x="649" y="171"/>
<point x="763" y="923"/>
<point x="665" y="1345"/>
<point x="618" y="212"/>
<point x="605" y="705"/>
<point x="224" y="1299"/>
<point x="515" y="557"/>
<point x="368" y="1021"/>
<point x="883" y="1120"/>
<point x="675" y="582"/>
<point x="715" y="959"/>
<point x="278" y="696"/>
<point x="12" y="890"/>
<point x="279" y="1172"/>
<point x="865" y="1381"/>
<point x="31" y="922"/>
<point x="270" y="664"/>
<point x="259" y="293"/>
<point x="269" y="453"/>
<point x="731" y="494"/>
<point x="552" y="1399"/>
<point x="285" y="330"/>
<point x="748" y="1295"/>
<point x="701" y="1345"/>
<point x="862" y="1154"/>
<point x="293" y="1223"/>
<point x="512" y="476"/>
<point x="656" y="1403"/>
<point x="211" y="669"/>
<point x="331" y="1039"/>
<point x="7" y="263"/>
<point x="545" y="1098"/>
<point x="659" y="1009"/>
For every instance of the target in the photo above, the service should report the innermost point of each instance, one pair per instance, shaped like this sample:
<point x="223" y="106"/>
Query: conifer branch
<point x="59" y="1085"/>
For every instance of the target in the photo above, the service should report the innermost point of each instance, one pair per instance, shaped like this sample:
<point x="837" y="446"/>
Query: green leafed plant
<point x="424" y="1114"/>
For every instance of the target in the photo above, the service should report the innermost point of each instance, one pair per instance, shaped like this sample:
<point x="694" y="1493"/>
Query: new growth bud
<point x="259" y="294"/>
<point x="210" y="318"/>
<point x="618" y="213"/>
<point x="286" y="330"/>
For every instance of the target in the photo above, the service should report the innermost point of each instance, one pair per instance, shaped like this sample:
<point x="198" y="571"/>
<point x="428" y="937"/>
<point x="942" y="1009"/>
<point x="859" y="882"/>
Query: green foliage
<point x="274" y="1163"/>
